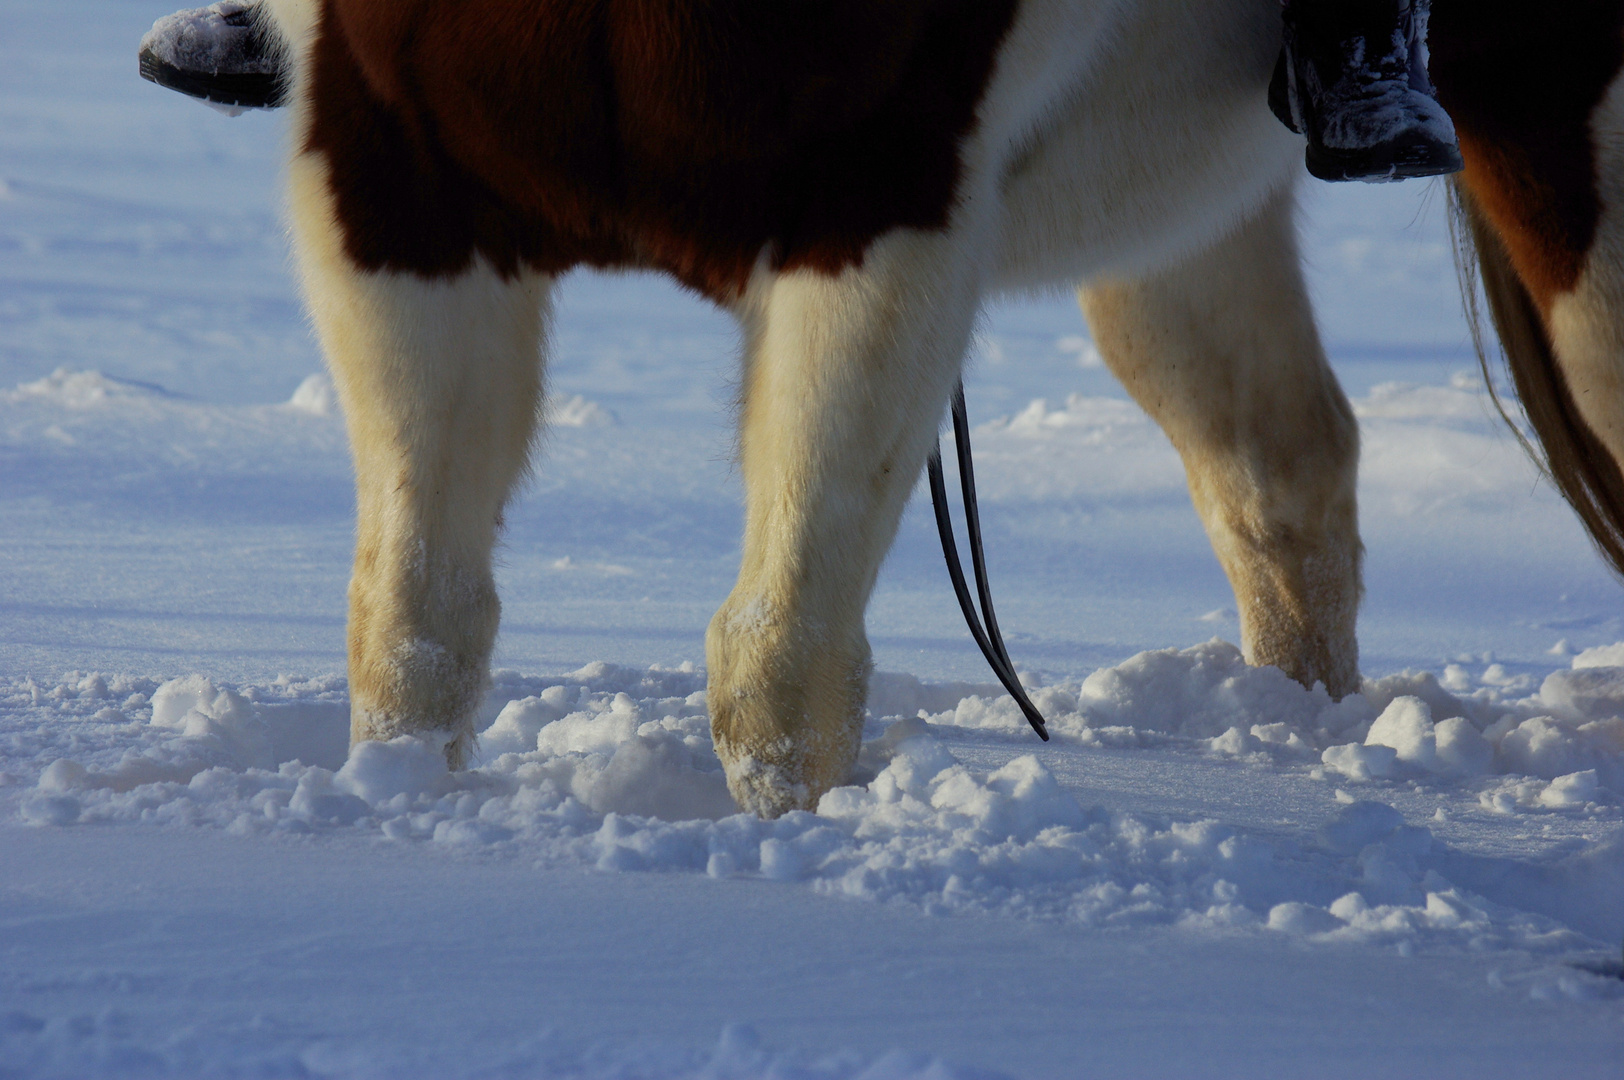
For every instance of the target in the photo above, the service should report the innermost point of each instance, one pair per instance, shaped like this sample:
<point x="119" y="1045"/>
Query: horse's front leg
<point x="1223" y="353"/>
<point x="440" y="381"/>
<point x="845" y="383"/>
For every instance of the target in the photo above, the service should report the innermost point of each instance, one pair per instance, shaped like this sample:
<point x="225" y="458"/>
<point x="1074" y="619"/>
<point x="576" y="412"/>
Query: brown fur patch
<point x="1520" y="82"/>
<point x="689" y="135"/>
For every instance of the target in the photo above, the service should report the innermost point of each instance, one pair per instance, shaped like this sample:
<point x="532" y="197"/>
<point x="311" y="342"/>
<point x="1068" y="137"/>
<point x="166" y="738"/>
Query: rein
<point x="989" y="638"/>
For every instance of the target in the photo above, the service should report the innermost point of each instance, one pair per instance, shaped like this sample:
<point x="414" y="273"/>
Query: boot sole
<point x="1384" y="164"/>
<point x="244" y="90"/>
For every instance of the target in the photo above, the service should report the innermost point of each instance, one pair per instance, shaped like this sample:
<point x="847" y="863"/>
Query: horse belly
<point x="698" y="138"/>
<point x="1165" y="145"/>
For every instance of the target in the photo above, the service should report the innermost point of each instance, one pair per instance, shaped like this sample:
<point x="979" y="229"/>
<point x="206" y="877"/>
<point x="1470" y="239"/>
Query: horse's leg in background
<point x="440" y="381"/>
<point x="845" y="382"/>
<point x="1223" y="353"/>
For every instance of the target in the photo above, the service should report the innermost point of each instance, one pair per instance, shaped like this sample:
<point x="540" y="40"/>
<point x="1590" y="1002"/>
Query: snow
<point x="315" y="395"/>
<point x="614" y="769"/>
<point x="1210" y="871"/>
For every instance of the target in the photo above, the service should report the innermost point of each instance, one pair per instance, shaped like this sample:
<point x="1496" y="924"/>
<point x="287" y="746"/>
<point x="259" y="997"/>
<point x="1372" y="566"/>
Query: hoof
<point x="767" y="791"/>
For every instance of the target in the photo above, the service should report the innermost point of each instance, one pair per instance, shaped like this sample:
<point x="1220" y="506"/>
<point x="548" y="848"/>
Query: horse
<point x="851" y="180"/>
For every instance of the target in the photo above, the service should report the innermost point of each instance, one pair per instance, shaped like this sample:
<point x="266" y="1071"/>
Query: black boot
<point x="217" y="53"/>
<point x="1353" y="79"/>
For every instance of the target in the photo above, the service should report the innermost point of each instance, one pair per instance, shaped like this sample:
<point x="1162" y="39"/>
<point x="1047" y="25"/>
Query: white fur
<point x="1162" y="146"/>
<point x="1117" y="137"/>
<point x="440" y="384"/>
<point x="845" y="381"/>
<point x="295" y="21"/>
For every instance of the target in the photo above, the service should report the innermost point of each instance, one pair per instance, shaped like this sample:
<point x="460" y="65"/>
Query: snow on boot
<point x="217" y="53"/>
<point x="1353" y="79"/>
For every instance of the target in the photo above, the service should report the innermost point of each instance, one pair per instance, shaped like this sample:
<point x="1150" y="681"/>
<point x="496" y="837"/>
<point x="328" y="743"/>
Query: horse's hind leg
<point x="440" y="381"/>
<point x="1223" y="353"/>
<point x="844" y="387"/>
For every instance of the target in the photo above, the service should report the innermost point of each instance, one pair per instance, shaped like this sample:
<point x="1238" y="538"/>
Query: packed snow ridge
<point x="614" y="768"/>
<point x="36" y="1047"/>
<point x="71" y="389"/>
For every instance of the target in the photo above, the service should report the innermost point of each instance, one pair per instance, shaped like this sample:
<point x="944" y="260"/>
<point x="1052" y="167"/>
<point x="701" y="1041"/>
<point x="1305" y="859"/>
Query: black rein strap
<point x="990" y="639"/>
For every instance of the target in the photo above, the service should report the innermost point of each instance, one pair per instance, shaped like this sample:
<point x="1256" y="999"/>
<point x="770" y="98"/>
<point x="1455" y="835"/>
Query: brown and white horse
<point x="851" y="179"/>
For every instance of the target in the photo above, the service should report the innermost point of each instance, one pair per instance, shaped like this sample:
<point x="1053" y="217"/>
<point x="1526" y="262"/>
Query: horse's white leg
<point x="1222" y="352"/>
<point x="845" y="384"/>
<point x="440" y="382"/>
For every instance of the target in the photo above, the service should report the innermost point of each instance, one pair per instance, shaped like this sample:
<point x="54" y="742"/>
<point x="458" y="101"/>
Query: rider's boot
<point x="218" y="53"/>
<point x="1353" y="79"/>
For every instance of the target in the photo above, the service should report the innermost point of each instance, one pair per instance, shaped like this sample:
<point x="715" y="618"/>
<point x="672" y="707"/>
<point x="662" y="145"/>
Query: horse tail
<point x="1568" y="453"/>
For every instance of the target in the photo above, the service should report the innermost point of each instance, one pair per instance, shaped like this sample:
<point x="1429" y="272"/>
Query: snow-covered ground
<point x="1209" y="872"/>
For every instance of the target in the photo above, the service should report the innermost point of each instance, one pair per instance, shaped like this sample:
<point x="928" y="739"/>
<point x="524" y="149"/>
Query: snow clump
<point x="1567" y="739"/>
<point x="316" y="396"/>
<point x="577" y="411"/>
